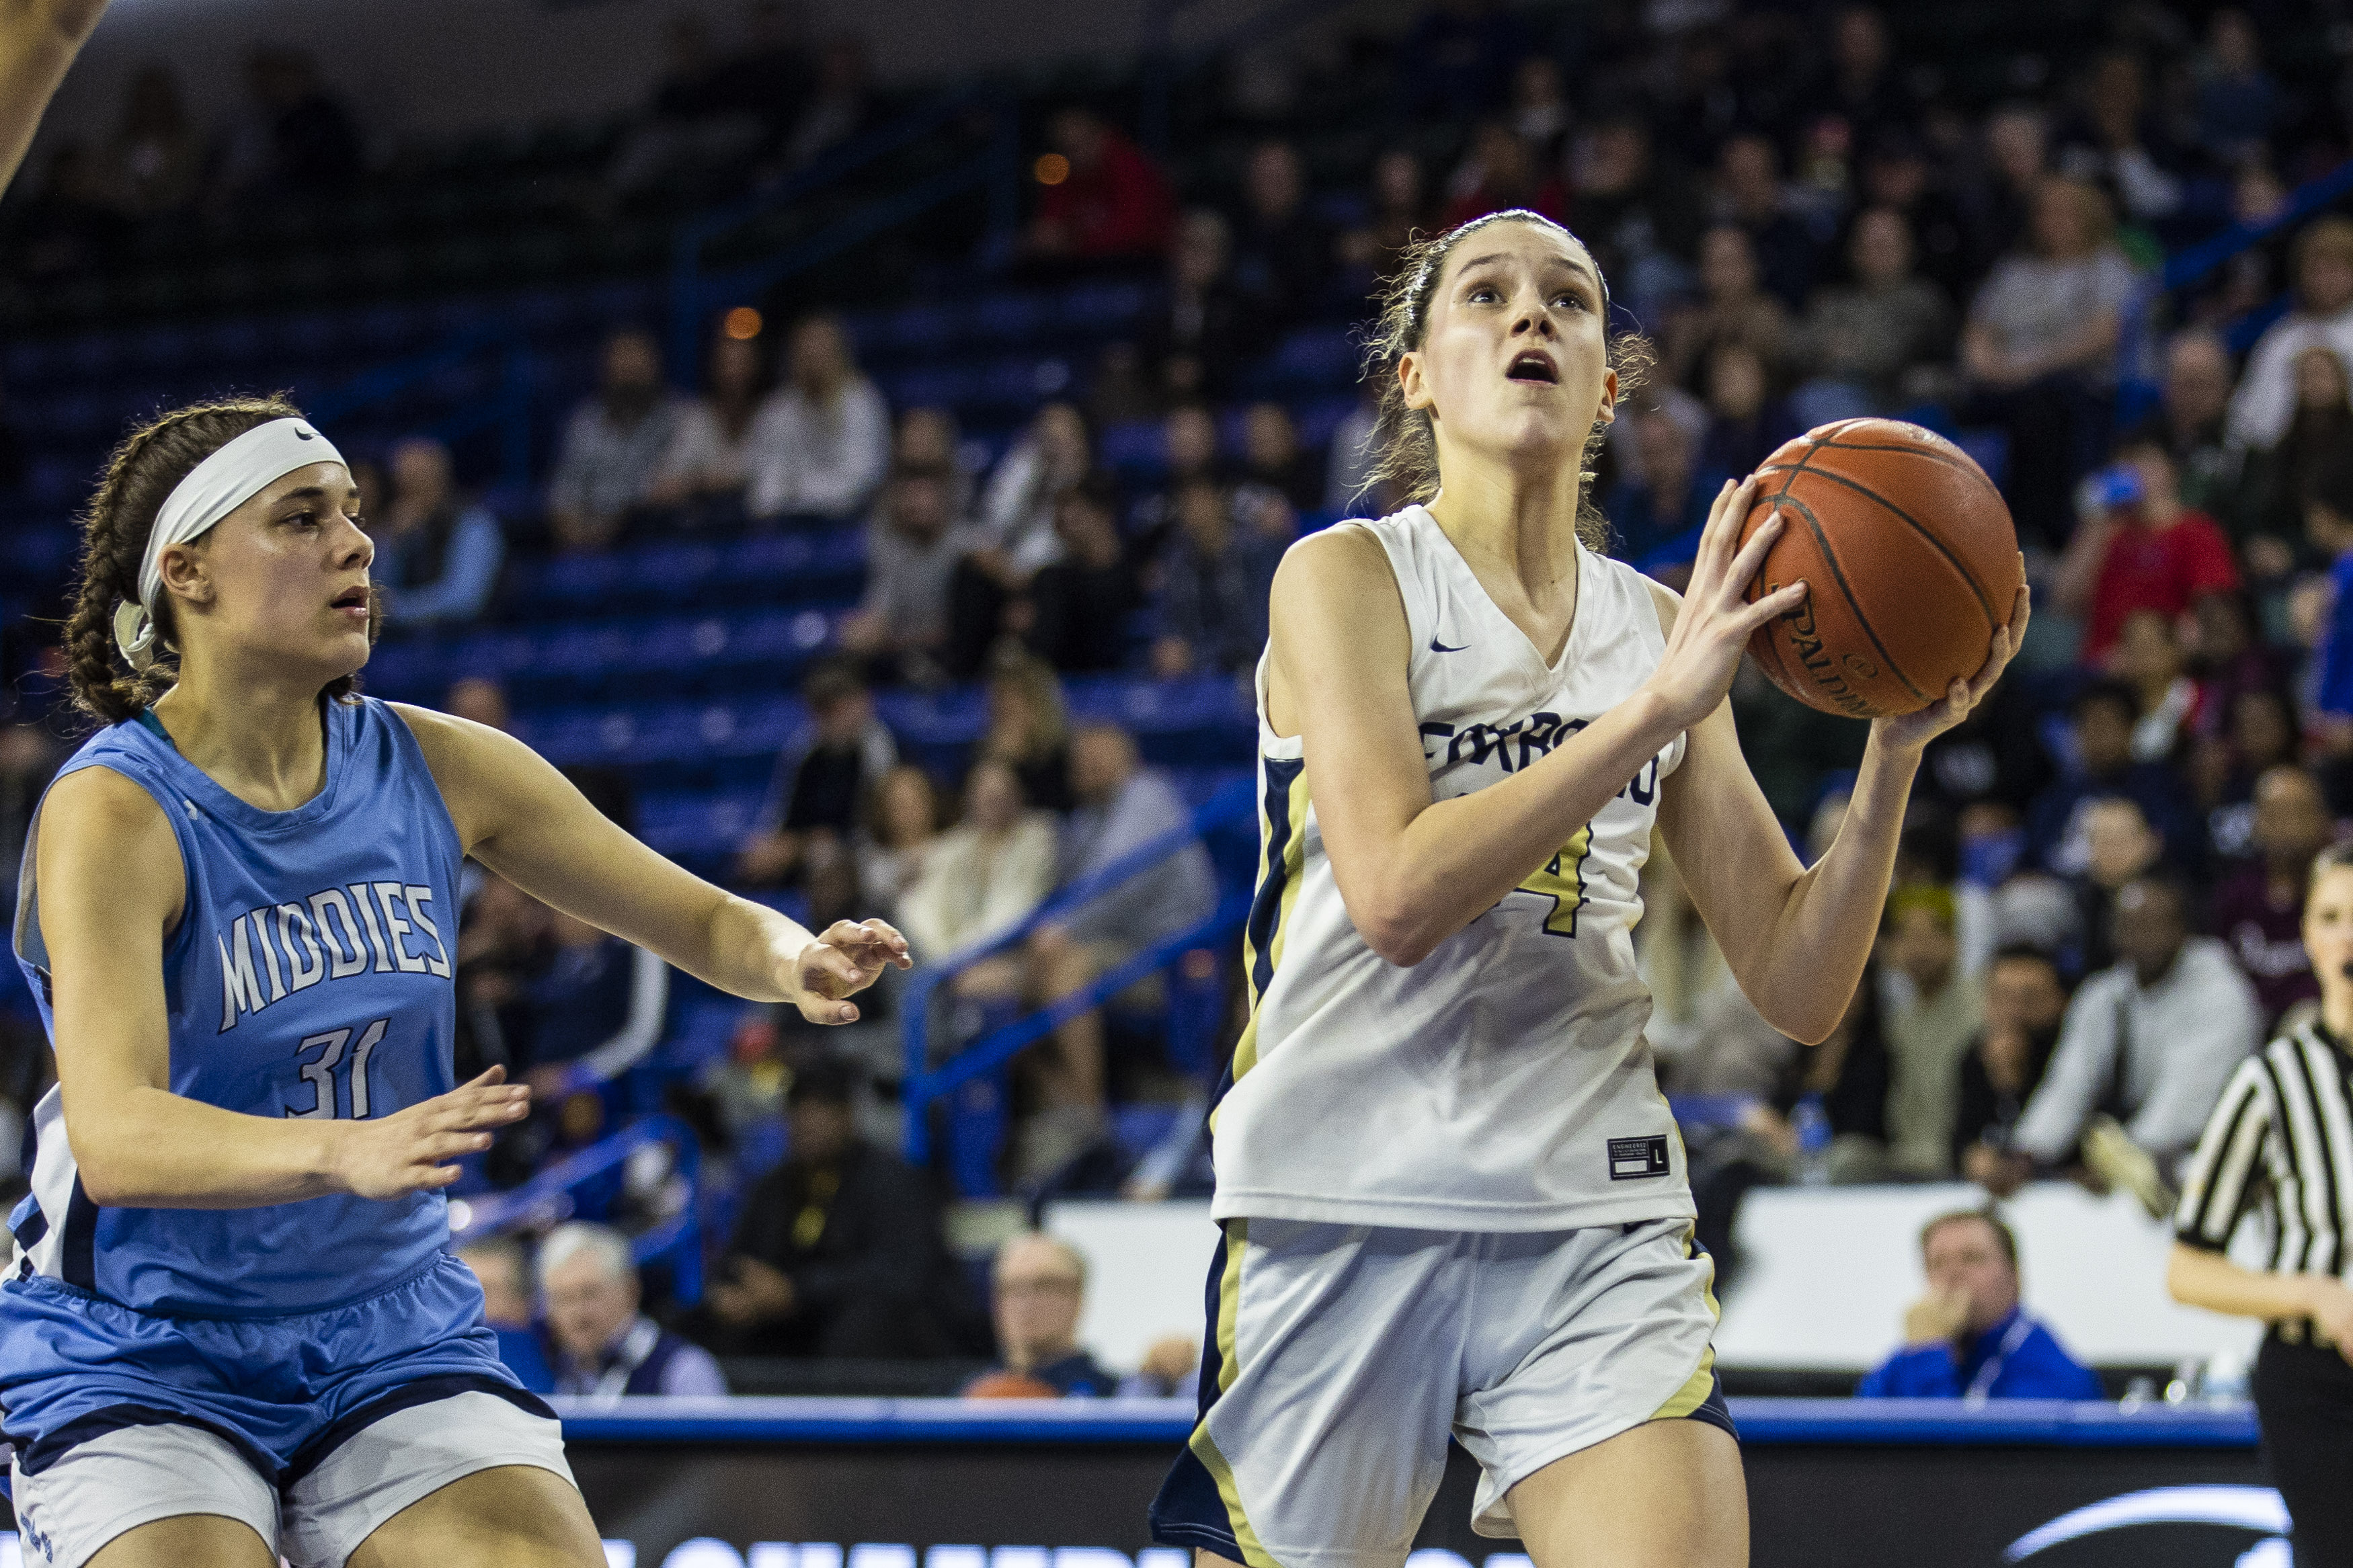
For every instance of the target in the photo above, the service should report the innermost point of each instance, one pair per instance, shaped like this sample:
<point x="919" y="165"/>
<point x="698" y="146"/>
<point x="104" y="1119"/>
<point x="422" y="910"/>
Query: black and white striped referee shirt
<point x="2281" y="1142"/>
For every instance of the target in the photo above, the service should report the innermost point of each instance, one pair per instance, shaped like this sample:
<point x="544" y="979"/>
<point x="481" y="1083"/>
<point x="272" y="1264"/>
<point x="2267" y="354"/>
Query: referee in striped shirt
<point x="2281" y="1143"/>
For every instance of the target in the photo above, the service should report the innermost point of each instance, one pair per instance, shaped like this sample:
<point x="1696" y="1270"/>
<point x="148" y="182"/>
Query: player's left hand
<point x="1912" y="732"/>
<point x="848" y="957"/>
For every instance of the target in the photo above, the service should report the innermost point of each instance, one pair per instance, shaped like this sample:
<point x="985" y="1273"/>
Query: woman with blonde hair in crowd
<point x="821" y="442"/>
<point x="1029" y="729"/>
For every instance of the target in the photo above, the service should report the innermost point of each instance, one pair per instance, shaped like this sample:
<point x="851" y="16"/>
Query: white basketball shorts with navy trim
<point x="311" y="1428"/>
<point x="1341" y="1357"/>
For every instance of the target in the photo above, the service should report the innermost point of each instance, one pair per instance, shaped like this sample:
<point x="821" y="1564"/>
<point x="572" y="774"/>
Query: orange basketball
<point x="1910" y="560"/>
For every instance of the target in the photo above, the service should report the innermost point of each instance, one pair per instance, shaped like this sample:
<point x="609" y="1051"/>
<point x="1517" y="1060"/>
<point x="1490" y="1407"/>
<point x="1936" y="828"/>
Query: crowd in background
<point x="2097" y="907"/>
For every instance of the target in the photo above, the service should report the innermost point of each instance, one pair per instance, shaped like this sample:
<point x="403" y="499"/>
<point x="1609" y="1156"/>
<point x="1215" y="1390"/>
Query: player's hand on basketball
<point x="1911" y="731"/>
<point x="1704" y="650"/>
<point x="848" y="957"/>
<point x="414" y="1150"/>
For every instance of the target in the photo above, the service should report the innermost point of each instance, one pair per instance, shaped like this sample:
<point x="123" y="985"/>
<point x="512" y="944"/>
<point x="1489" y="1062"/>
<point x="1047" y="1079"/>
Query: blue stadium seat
<point x="1008" y="319"/>
<point x="1100" y="310"/>
<point x="1134" y="451"/>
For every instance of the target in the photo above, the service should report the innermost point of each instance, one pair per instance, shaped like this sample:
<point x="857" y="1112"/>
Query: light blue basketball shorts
<point x="313" y="1428"/>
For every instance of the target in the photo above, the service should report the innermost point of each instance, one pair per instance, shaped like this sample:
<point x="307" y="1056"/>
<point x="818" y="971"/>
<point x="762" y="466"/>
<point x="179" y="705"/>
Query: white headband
<point x="214" y="488"/>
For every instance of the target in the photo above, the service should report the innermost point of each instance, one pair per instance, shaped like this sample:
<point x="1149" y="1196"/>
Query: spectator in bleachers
<point x="1931" y="1032"/>
<point x="1079" y="604"/>
<point x="1397" y="206"/>
<point x="820" y="778"/>
<point x="1029" y="727"/>
<point x="2230" y="660"/>
<point x="504" y="1271"/>
<point x="1898" y="177"/>
<point x="2328" y="524"/>
<point x="1733" y="306"/>
<point x="154" y="166"/>
<point x="1870" y="336"/>
<point x="295" y="138"/>
<point x="601" y="1346"/>
<point x="927" y="439"/>
<point x="2147" y="657"/>
<point x="1745" y="421"/>
<point x="839" y="1251"/>
<point x="1039" y="1286"/>
<point x="2239" y="103"/>
<point x="2139" y="548"/>
<point x="1462" y="53"/>
<point x="1500" y="172"/>
<point x="709" y="460"/>
<point x="1122" y="806"/>
<point x="901" y="833"/>
<point x="982" y="877"/>
<point x="1540" y="111"/>
<point x="1661" y="496"/>
<point x="1862" y="83"/>
<point x="1275" y="465"/>
<point x="2040" y="348"/>
<point x="2117" y="143"/>
<point x="2323" y="318"/>
<point x="2025" y="1002"/>
<point x="2189" y="423"/>
<point x="2280" y="477"/>
<point x="692" y="123"/>
<point x="1350" y="488"/>
<point x="912" y="544"/>
<point x="1215" y="578"/>
<point x="2103" y="716"/>
<point x="597" y="1009"/>
<point x="1196" y="333"/>
<point x="2150" y="1041"/>
<point x="1640" y="214"/>
<point x="1282" y="250"/>
<point x="2258" y="733"/>
<point x="1015" y="534"/>
<point x="480" y="698"/>
<point x="1749" y="196"/>
<point x="28" y="761"/>
<point x="1189" y="451"/>
<point x="2017" y="156"/>
<point x="613" y="445"/>
<point x="437" y="554"/>
<point x="1971" y="1337"/>
<point x="2259" y="908"/>
<point x="821" y="442"/>
<point x="840" y="104"/>
<point x="69" y="227"/>
<point x="1108" y="201"/>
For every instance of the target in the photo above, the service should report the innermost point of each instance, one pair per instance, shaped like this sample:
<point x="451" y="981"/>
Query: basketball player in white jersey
<point x="1453" y="1196"/>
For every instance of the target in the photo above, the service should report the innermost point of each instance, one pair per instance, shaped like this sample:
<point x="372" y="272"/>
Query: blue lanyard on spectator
<point x="1981" y="1386"/>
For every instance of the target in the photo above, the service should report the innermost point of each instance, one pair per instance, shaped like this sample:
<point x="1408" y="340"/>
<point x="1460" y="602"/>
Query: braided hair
<point x="1406" y="447"/>
<point x="142" y="473"/>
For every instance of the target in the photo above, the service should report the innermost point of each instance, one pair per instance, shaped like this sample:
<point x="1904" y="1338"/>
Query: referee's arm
<point x="2221" y="1185"/>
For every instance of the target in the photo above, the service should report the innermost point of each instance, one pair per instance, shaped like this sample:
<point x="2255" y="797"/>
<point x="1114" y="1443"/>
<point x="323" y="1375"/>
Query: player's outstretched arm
<point x="1413" y="872"/>
<point x="1795" y="937"/>
<point x="110" y="888"/>
<point x="38" y="40"/>
<point x="519" y="817"/>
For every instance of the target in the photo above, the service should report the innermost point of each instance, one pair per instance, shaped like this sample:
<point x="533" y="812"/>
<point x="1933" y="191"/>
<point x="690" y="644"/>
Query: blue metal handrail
<point x="926" y="1084"/>
<point x="2200" y="261"/>
<point x="547" y="1200"/>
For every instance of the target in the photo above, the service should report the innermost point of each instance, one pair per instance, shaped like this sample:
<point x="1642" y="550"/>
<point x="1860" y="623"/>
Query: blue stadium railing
<point x="2136" y="376"/>
<point x="970" y="1071"/>
<point x="555" y="1194"/>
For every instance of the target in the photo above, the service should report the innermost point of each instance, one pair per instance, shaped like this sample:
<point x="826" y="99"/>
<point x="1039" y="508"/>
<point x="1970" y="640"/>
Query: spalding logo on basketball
<point x="1909" y="556"/>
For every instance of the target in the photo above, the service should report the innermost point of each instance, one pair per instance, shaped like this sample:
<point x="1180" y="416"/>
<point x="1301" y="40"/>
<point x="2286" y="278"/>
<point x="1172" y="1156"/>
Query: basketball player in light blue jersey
<point x="1453" y="1199"/>
<point x="233" y="1330"/>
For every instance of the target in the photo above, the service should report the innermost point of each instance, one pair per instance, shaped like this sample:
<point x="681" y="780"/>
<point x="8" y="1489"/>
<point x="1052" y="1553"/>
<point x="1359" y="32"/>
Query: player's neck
<point x="259" y="740"/>
<point x="1518" y="525"/>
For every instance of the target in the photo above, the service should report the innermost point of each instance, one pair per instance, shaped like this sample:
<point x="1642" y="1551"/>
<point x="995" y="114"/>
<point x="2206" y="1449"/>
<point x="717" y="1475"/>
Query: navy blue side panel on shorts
<point x="1189" y="1510"/>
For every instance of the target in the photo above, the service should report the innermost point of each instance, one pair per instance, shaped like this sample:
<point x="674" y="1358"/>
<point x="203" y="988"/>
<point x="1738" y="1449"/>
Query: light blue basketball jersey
<point x="309" y="975"/>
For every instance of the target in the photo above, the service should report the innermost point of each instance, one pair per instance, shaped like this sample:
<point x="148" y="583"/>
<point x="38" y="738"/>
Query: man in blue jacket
<point x="1969" y="1338"/>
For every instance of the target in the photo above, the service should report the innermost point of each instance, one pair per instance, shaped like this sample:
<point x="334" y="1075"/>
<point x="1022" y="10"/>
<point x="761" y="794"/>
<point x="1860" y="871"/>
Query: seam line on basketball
<point x="1960" y="462"/>
<point x="1985" y="606"/>
<point x="1830" y="559"/>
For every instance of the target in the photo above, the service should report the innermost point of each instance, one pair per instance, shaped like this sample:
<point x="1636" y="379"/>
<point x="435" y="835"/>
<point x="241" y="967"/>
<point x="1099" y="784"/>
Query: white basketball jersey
<point x="1503" y="1082"/>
